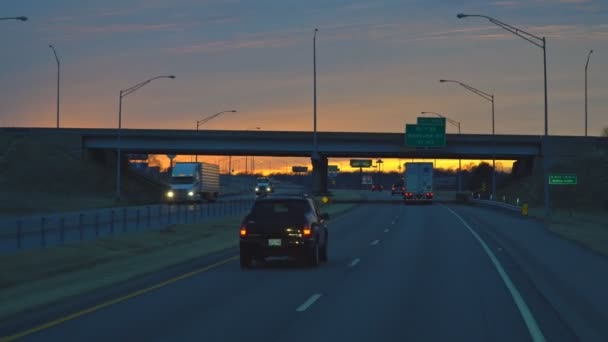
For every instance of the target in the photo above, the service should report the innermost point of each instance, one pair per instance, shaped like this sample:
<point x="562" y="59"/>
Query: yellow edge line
<point x="113" y="301"/>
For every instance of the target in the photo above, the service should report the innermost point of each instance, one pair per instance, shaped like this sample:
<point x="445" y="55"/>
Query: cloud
<point x="127" y="28"/>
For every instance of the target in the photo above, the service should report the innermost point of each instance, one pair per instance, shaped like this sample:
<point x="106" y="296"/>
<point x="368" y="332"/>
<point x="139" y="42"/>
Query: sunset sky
<point x="378" y="63"/>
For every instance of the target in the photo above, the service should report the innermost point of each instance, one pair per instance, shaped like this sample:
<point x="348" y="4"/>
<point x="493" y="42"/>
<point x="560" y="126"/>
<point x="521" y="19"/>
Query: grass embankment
<point x="579" y="212"/>
<point x="47" y="174"/>
<point x="36" y="278"/>
<point x="334" y="207"/>
<point x="589" y="228"/>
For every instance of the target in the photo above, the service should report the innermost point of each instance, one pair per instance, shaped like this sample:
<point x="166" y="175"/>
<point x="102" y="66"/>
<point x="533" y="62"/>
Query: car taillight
<point x="429" y="194"/>
<point x="243" y="231"/>
<point x="306" y="232"/>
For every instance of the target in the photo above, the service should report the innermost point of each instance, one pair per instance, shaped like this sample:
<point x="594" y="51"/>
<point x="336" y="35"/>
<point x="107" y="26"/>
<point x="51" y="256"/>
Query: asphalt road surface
<point x="396" y="273"/>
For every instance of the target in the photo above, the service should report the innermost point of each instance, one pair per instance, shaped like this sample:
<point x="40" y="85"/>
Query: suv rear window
<point x="282" y="207"/>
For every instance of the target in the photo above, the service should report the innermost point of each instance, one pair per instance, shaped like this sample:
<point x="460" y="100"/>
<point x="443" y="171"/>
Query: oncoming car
<point x="263" y="186"/>
<point x="284" y="225"/>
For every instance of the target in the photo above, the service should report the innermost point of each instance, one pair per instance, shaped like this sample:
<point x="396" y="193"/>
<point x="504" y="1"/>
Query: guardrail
<point x="498" y="204"/>
<point x="36" y="232"/>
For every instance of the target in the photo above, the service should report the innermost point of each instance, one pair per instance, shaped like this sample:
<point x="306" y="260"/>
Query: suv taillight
<point x="306" y="231"/>
<point x="243" y="231"/>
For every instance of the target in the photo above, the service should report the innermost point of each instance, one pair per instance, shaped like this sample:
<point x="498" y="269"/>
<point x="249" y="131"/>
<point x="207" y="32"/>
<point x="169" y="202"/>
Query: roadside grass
<point x="589" y="228"/>
<point x="31" y="279"/>
<point x="34" y="278"/>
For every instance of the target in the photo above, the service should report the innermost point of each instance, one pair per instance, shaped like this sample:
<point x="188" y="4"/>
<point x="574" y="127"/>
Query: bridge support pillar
<point x="319" y="175"/>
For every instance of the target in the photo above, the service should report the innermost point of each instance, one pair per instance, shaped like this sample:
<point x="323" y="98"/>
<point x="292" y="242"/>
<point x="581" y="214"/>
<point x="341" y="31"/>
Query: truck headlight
<point x="268" y="189"/>
<point x="170" y="194"/>
<point x="190" y="193"/>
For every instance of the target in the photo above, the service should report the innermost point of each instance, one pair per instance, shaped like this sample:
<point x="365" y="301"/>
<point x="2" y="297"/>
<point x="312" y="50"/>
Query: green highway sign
<point x="332" y="168"/>
<point x="299" y="169"/>
<point x="360" y="162"/>
<point x="563" y="179"/>
<point x="425" y="135"/>
<point x="431" y="121"/>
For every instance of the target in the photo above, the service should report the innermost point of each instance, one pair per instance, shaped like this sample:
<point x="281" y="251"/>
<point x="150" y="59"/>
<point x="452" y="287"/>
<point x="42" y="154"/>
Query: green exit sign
<point x="563" y="179"/>
<point x="424" y="136"/>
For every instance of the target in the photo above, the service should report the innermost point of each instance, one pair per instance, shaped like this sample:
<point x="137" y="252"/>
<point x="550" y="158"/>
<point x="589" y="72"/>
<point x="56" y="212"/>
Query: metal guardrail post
<point x="43" y="232"/>
<point x="124" y="219"/>
<point x="62" y="230"/>
<point x="96" y="224"/>
<point x="81" y="226"/>
<point x="112" y="222"/>
<point x="19" y="234"/>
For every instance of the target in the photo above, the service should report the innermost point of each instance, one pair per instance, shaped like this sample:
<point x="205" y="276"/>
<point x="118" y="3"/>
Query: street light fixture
<point x="58" y="78"/>
<point x="586" y="68"/>
<point x="14" y="18"/>
<point x="488" y="97"/>
<point x="124" y="93"/>
<point x="540" y="42"/>
<point x="203" y="121"/>
<point x="457" y="124"/>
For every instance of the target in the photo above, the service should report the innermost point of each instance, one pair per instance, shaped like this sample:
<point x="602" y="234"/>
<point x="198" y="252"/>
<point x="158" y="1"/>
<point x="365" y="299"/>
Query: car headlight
<point x="170" y="194"/>
<point x="257" y="189"/>
<point x="190" y="193"/>
<point x="268" y="189"/>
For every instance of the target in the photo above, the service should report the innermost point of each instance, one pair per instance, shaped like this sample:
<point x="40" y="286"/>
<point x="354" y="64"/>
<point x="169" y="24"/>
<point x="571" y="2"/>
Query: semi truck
<point x="194" y="182"/>
<point x="418" y="183"/>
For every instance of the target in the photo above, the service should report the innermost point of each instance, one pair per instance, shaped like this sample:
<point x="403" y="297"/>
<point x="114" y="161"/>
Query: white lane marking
<point x="386" y="230"/>
<point x="354" y="262"/>
<point x="375" y="242"/>
<point x="393" y="222"/>
<point x="524" y="310"/>
<point x="310" y="301"/>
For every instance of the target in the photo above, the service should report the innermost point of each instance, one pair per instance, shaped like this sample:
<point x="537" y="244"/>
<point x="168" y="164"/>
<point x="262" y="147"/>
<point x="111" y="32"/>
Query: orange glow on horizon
<point x="282" y="165"/>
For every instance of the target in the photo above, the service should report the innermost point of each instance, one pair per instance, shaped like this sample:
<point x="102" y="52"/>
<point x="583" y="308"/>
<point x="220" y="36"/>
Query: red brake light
<point x="243" y="231"/>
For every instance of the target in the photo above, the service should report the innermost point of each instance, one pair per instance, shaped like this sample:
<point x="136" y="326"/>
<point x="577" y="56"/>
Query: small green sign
<point x="563" y="179"/>
<point x="424" y="135"/>
<point x="332" y="168"/>
<point x="360" y="162"/>
<point x="431" y="121"/>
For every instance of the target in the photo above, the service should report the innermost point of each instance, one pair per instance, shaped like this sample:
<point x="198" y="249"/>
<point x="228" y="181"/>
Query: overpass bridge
<point x="299" y="144"/>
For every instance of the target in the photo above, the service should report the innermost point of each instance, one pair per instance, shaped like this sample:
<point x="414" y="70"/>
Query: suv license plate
<point x="274" y="242"/>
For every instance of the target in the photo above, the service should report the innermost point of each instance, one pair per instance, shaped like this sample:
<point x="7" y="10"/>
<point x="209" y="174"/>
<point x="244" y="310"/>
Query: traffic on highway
<point x="385" y="223"/>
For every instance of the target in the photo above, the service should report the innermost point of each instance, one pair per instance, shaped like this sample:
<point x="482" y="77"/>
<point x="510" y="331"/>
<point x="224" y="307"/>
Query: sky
<point x="378" y="64"/>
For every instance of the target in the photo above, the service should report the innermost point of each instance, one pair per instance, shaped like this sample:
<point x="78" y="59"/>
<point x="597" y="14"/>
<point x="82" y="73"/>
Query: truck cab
<point x="193" y="182"/>
<point x="263" y="186"/>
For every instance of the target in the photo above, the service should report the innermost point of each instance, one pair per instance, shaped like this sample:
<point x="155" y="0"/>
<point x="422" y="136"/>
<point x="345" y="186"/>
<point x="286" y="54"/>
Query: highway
<point x="396" y="273"/>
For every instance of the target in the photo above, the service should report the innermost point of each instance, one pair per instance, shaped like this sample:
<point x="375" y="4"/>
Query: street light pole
<point x="457" y="124"/>
<point x="201" y="122"/>
<point x="488" y="97"/>
<point x="540" y="42"/>
<point x="124" y="93"/>
<point x="586" y="69"/>
<point x="314" y="64"/>
<point x="58" y="77"/>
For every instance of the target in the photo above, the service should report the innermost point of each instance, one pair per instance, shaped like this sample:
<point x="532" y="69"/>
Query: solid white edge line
<point x="386" y="230"/>
<point x="310" y="301"/>
<point x="524" y="310"/>
<point x="354" y="262"/>
<point x="375" y="242"/>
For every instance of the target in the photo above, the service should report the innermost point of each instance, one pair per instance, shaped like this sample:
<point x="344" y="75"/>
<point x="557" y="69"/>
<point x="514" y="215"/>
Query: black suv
<point x="284" y="225"/>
